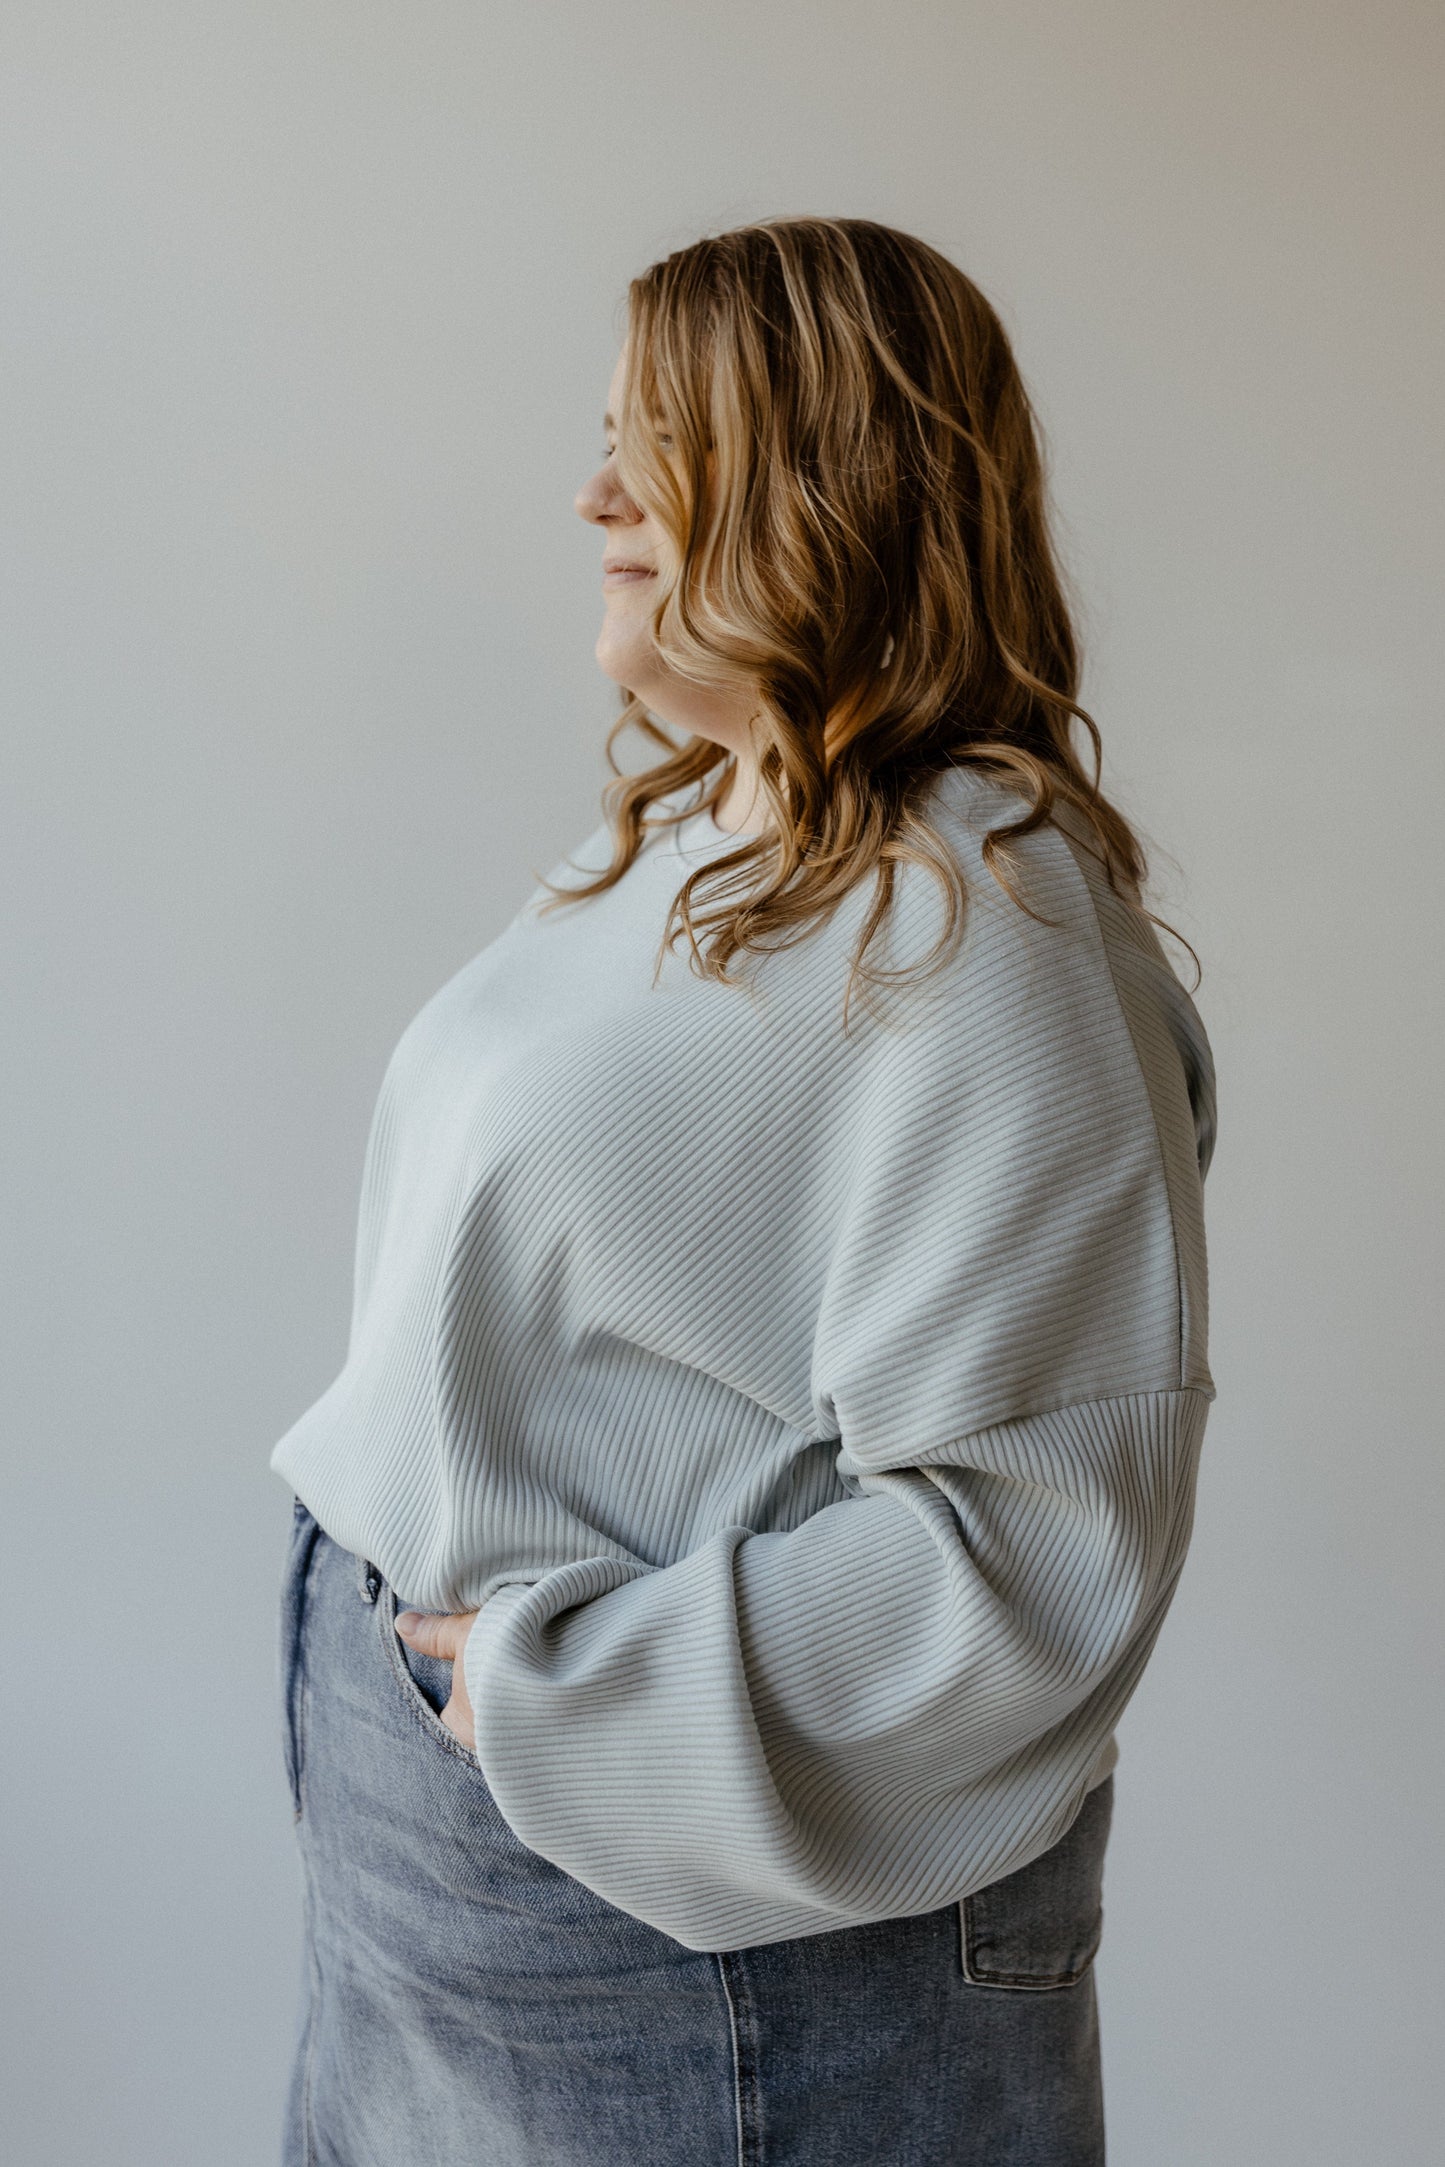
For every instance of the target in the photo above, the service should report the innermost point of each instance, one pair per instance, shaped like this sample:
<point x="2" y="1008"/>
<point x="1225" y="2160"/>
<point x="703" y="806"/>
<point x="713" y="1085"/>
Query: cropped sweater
<point x="813" y="1415"/>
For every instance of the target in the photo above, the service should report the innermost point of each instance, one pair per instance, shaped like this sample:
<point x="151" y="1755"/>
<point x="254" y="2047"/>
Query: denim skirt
<point x="465" y="2003"/>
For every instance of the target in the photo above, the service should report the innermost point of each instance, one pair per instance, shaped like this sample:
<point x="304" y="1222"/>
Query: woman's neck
<point x="741" y="809"/>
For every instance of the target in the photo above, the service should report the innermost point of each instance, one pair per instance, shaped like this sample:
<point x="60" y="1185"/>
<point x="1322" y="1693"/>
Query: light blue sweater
<point x="816" y="1418"/>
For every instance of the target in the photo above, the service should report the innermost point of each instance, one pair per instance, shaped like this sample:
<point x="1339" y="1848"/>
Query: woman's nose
<point x="601" y="499"/>
<point x="594" y="498"/>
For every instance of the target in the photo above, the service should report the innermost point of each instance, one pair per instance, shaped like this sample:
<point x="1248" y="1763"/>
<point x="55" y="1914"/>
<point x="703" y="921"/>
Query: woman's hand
<point x="444" y="1636"/>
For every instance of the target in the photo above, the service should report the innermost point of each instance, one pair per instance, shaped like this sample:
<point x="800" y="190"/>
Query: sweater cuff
<point x="488" y="1619"/>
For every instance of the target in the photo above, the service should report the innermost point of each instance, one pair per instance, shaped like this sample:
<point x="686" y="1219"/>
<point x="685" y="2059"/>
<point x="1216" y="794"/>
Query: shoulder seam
<point x="1066" y="843"/>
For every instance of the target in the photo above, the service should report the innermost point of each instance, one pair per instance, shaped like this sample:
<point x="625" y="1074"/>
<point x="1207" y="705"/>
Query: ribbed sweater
<point x="814" y="1416"/>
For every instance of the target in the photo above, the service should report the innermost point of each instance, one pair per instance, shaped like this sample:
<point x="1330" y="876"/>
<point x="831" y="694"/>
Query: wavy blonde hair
<point x="855" y="496"/>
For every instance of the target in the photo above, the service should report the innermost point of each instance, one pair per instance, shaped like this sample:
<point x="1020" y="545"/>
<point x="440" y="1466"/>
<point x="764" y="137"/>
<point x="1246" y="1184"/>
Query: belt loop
<point x="368" y="1581"/>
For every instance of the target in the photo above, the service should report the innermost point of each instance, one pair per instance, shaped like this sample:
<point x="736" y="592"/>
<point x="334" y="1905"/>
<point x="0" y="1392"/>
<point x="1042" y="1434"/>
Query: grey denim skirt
<point x="465" y="2003"/>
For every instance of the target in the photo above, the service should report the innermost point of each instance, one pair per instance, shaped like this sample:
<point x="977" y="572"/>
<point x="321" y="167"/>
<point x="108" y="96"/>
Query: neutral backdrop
<point x="309" y="313"/>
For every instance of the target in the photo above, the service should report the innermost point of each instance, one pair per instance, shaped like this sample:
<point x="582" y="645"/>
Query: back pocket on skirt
<point x="1041" y="1926"/>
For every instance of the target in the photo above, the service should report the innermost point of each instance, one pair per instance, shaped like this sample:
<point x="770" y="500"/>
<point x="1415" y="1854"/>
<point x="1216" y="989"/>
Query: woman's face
<point x="637" y="557"/>
<point x="636" y="551"/>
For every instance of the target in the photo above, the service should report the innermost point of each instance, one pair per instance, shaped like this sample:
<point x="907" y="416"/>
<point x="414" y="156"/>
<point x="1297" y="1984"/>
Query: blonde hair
<point x="855" y="495"/>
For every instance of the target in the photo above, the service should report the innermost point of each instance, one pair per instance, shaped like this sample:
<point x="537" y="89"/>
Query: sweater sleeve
<point x="902" y="1699"/>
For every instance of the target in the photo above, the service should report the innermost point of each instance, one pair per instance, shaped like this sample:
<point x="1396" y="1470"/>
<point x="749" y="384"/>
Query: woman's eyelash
<point x="609" y="449"/>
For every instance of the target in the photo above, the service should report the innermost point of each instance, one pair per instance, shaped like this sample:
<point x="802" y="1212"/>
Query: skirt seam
<point x="747" y="2059"/>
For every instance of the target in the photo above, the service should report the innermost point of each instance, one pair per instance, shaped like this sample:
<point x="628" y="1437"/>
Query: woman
<point x="766" y="1450"/>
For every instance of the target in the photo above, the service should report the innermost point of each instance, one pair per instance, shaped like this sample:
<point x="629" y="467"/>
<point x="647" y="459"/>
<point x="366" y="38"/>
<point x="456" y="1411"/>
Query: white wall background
<point x="309" y="311"/>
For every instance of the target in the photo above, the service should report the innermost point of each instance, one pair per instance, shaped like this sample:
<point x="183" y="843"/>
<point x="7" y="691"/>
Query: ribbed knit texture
<point x="815" y="1417"/>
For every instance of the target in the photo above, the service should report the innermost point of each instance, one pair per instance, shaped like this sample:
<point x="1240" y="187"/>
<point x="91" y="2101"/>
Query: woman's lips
<point x="625" y="575"/>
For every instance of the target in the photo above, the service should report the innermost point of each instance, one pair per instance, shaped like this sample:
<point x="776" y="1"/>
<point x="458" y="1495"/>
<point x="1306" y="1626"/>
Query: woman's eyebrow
<point x="608" y="422"/>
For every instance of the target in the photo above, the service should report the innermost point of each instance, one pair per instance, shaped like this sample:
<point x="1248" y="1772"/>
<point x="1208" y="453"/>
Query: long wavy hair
<point x="855" y="498"/>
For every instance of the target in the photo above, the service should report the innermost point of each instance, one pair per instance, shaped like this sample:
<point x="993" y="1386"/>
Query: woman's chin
<point x="624" y="661"/>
